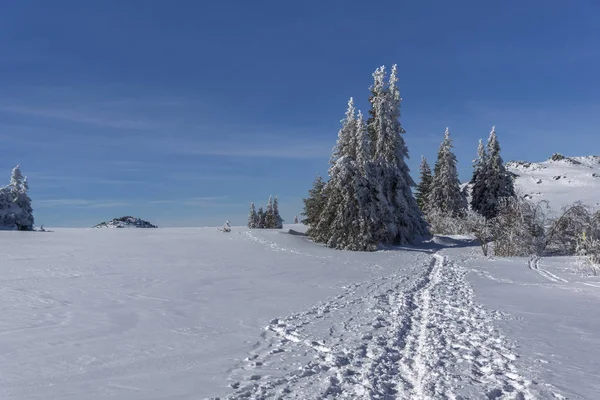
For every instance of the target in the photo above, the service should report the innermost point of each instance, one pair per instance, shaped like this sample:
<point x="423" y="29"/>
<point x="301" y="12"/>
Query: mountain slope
<point x="559" y="180"/>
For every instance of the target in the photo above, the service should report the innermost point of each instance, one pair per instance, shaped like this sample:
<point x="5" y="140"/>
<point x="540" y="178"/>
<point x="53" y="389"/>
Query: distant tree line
<point x="265" y="219"/>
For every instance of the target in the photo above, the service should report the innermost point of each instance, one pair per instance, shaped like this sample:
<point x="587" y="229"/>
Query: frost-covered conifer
<point x="497" y="182"/>
<point x="346" y="222"/>
<point x="445" y="197"/>
<point x="371" y="228"/>
<point x="252" y="217"/>
<point x="24" y="202"/>
<point x="269" y="215"/>
<point x="345" y="143"/>
<point x="313" y="205"/>
<point x="505" y="187"/>
<point x="261" y="218"/>
<point x="405" y="222"/>
<point x="16" y="180"/>
<point x="478" y="181"/>
<point x="277" y="220"/>
<point x="424" y="186"/>
<point x="15" y="200"/>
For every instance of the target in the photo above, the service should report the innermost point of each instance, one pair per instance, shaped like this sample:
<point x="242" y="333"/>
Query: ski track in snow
<point x="534" y="264"/>
<point x="397" y="337"/>
<point x="273" y="246"/>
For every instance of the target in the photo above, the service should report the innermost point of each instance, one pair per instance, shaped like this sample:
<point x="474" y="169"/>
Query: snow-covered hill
<point x="126" y="222"/>
<point x="262" y="314"/>
<point x="559" y="180"/>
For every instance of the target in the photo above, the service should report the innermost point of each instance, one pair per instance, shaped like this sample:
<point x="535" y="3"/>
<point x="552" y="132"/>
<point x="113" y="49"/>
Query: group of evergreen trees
<point x="490" y="182"/>
<point x="269" y="219"/>
<point x="368" y="198"/>
<point x="15" y="205"/>
<point x="439" y="195"/>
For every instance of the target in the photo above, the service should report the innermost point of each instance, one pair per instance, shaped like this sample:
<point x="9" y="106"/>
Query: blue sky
<point x="182" y="112"/>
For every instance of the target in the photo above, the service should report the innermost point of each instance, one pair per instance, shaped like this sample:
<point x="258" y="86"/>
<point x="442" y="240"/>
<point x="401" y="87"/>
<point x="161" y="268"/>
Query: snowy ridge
<point x="560" y="180"/>
<point x="396" y="337"/>
<point x="126" y="222"/>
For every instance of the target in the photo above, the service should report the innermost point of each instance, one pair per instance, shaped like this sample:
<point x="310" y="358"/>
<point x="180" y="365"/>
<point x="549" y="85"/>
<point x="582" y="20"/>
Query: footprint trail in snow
<point x="397" y="337"/>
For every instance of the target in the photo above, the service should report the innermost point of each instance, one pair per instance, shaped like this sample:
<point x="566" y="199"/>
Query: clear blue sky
<point x="181" y="112"/>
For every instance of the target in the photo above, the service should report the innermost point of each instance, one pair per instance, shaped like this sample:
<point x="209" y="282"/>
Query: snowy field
<point x="193" y="314"/>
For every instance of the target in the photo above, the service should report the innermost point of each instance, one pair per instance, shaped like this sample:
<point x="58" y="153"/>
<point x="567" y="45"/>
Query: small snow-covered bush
<point x="518" y="229"/>
<point x="442" y="223"/>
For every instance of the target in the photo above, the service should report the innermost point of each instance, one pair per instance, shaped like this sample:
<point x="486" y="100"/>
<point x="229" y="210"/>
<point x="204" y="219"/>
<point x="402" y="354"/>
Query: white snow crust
<point x="195" y="313"/>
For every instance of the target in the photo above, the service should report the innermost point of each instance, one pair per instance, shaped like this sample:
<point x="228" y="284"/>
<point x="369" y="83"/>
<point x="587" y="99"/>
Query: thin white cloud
<point x="261" y="147"/>
<point x="76" y="116"/>
<point x="290" y="151"/>
<point x="78" y="203"/>
<point x="193" y="201"/>
<point x="40" y="177"/>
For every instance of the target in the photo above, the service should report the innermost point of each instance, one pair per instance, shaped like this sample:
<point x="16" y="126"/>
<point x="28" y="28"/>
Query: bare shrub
<point x="519" y="228"/>
<point x="481" y="228"/>
<point x="566" y="230"/>
<point x="588" y="242"/>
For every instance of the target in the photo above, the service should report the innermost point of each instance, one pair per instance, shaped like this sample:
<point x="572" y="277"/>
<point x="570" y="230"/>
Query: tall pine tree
<point x="478" y="182"/>
<point x="261" y="218"/>
<point x="346" y="221"/>
<point x="445" y="197"/>
<point x="424" y="186"/>
<point x="252" y="217"/>
<point x="406" y="223"/>
<point x="277" y="220"/>
<point x="330" y="227"/>
<point x="498" y="183"/>
<point x="313" y="205"/>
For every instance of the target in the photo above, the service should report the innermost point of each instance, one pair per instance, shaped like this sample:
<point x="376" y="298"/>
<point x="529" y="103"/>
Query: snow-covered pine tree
<point x="478" y="180"/>
<point x="24" y="202"/>
<point x="404" y="220"/>
<point x="261" y="218"/>
<point x="371" y="229"/>
<point x="346" y="222"/>
<point x="252" y="216"/>
<point x="328" y="229"/>
<point x="18" y="193"/>
<point x="446" y="198"/>
<point x="313" y="206"/>
<point x="277" y="220"/>
<point x="16" y="183"/>
<point x="269" y="215"/>
<point x="506" y="187"/>
<point x="498" y="183"/>
<point x="424" y="186"/>
<point x="345" y="144"/>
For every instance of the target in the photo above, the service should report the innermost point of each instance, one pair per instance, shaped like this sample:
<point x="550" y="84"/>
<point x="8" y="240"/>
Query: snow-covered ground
<point x="194" y="313"/>
<point x="559" y="182"/>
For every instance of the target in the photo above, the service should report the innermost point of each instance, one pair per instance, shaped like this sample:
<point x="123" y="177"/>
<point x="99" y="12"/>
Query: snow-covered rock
<point x="126" y="222"/>
<point x="559" y="180"/>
